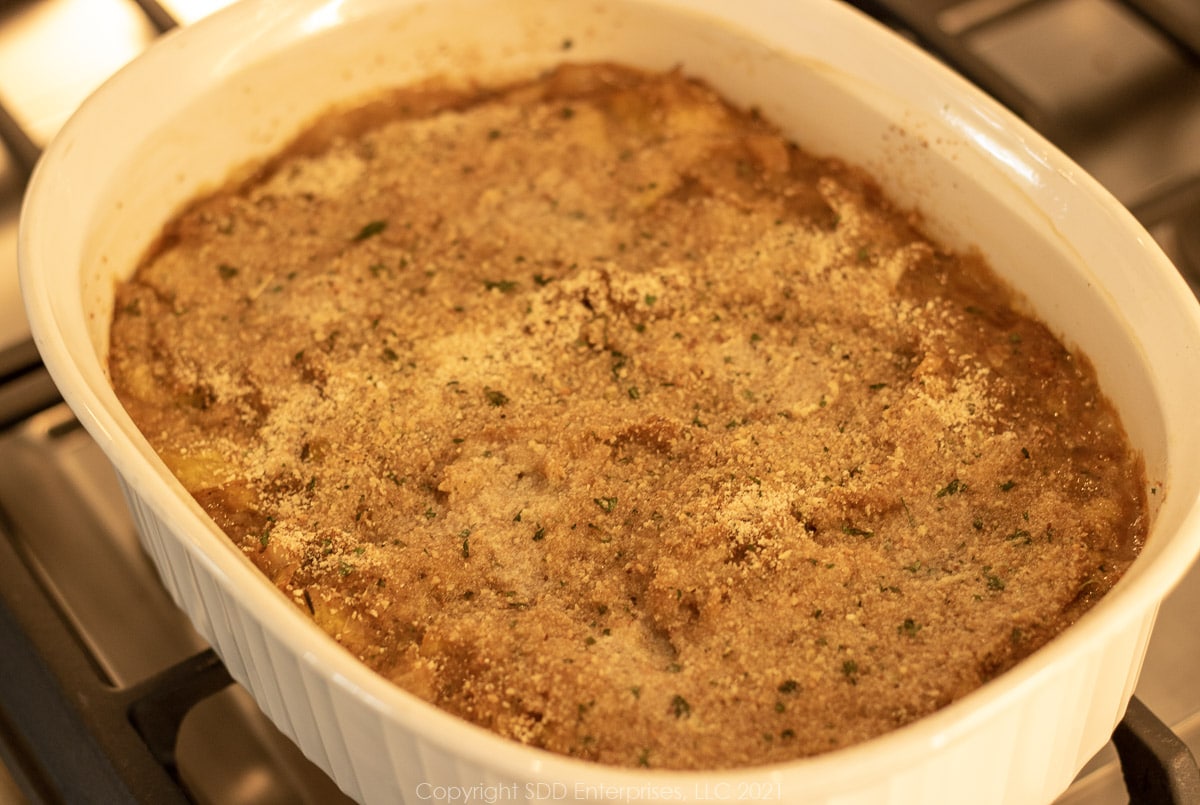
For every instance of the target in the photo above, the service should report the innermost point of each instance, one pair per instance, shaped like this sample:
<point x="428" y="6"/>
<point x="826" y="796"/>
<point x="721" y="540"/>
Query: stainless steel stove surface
<point x="106" y="692"/>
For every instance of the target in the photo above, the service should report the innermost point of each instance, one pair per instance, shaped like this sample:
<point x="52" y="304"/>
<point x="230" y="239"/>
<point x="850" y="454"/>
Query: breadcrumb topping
<point x="594" y="411"/>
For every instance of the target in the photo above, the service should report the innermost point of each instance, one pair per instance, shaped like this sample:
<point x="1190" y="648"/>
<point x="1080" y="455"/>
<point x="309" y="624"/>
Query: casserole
<point x="205" y="101"/>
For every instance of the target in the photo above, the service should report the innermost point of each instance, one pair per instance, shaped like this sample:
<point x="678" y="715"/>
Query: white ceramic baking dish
<point x="206" y="100"/>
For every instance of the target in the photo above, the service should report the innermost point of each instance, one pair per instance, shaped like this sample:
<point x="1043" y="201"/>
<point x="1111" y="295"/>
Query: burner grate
<point x="1177" y="21"/>
<point x="1157" y="766"/>
<point x="70" y="736"/>
<point x="958" y="31"/>
<point x="1114" y="83"/>
<point x="106" y="693"/>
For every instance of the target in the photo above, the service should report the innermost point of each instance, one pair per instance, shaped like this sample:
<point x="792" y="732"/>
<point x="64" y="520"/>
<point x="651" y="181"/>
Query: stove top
<point x="95" y="654"/>
<point x="102" y="660"/>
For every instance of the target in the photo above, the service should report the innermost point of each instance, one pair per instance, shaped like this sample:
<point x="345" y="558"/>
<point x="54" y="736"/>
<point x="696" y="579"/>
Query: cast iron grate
<point x="68" y="735"/>
<point x="1088" y="94"/>
<point x="945" y="27"/>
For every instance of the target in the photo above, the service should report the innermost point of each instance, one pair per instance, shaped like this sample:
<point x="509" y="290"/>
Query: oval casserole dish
<point x="206" y="100"/>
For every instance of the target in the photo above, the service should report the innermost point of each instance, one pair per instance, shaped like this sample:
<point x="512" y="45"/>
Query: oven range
<point x="106" y="692"/>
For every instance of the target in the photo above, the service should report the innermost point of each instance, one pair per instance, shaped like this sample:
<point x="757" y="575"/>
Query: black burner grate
<point x="1158" y="767"/>
<point x="1091" y="90"/>
<point x="106" y="692"/>
<point x="947" y="28"/>
<point x="69" y="735"/>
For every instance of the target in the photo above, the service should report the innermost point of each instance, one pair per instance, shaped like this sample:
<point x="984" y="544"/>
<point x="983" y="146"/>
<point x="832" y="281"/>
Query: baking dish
<point x="206" y="101"/>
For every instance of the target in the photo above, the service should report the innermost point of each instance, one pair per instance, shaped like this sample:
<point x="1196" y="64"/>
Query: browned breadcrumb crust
<point x="595" y="412"/>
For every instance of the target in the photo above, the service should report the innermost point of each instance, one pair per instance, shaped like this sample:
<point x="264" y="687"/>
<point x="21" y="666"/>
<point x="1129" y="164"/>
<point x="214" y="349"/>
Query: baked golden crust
<point x="592" y="410"/>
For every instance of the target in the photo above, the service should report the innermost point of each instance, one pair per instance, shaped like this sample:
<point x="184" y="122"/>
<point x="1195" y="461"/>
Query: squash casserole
<point x="591" y="409"/>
